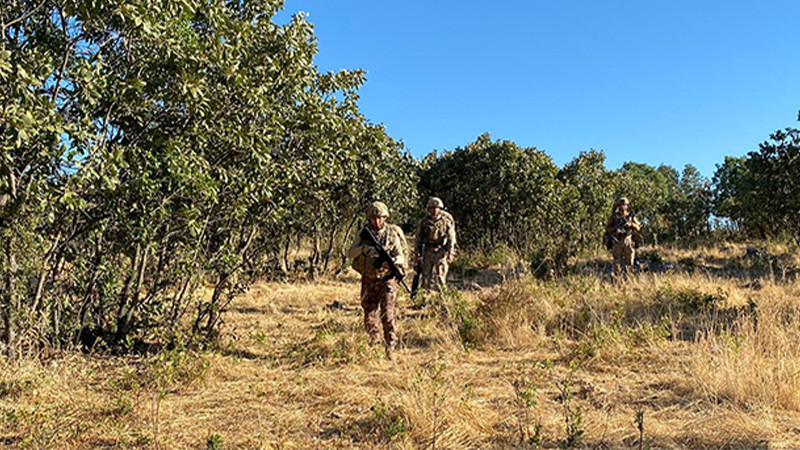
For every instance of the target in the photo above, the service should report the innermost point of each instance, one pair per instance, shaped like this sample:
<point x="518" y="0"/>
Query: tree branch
<point x="67" y="52"/>
<point x="19" y="19"/>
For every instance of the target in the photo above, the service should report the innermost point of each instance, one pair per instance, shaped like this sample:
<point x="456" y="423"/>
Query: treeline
<point x="150" y="149"/>
<point x="760" y="192"/>
<point x="501" y="193"/>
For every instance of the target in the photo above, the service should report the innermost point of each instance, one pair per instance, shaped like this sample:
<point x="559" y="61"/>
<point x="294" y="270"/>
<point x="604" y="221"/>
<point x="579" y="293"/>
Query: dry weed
<point x="705" y="361"/>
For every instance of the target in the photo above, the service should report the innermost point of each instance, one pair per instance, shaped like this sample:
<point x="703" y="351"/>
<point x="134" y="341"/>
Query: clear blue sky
<point x="670" y="82"/>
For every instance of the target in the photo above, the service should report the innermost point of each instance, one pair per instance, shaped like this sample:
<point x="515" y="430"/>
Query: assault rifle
<point x="383" y="257"/>
<point x="611" y="237"/>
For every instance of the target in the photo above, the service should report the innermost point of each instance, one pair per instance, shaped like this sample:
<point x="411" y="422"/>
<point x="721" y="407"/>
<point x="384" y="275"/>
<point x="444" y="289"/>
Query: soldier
<point x="375" y="292"/>
<point x="434" y="245"/>
<point x="620" y="231"/>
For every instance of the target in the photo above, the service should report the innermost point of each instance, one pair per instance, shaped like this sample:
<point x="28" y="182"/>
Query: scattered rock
<point x="338" y="305"/>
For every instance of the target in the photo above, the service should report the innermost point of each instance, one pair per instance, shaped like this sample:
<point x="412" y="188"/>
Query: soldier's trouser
<point x="378" y="295"/>
<point x="434" y="270"/>
<point x="623" y="251"/>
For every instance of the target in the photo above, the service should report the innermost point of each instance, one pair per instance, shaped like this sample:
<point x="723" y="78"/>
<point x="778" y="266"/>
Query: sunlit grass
<point x="705" y="361"/>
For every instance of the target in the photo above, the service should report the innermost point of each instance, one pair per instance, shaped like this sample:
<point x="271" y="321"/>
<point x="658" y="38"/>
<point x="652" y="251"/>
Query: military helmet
<point x="435" y="202"/>
<point x="622" y="201"/>
<point x="377" y="209"/>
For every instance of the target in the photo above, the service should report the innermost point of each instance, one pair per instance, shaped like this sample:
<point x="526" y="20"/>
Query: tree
<point x="730" y="184"/>
<point x="500" y="193"/>
<point x="148" y="147"/>
<point x="649" y="189"/>
<point x="760" y="191"/>
<point x="591" y="193"/>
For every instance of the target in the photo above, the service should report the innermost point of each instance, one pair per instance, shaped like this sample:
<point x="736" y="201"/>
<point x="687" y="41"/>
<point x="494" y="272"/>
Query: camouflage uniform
<point x="624" y="248"/>
<point x="375" y="293"/>
<point x="434" y="244"/>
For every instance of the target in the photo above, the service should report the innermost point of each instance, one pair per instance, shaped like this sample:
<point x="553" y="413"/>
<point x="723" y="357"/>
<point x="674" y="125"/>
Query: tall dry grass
<point x="706" y="360"/>
<point x="754" y="362"/>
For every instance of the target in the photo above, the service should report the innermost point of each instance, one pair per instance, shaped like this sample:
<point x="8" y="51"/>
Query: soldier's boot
<point x="390" y="349"/>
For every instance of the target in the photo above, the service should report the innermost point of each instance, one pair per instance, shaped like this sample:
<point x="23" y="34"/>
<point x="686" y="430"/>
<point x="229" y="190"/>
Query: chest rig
<point x="434" y="233"/>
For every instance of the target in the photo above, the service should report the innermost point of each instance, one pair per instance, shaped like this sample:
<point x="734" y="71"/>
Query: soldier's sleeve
<point x="610" y="225"/>
<point x="357" y="248"/>
<point x="400" y="245"/>
<point x="451" y="236"/>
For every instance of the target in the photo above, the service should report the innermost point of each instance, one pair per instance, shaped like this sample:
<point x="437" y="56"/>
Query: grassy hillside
<point x="703" y="351"/>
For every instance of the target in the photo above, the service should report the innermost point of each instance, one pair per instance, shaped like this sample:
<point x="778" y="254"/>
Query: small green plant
<point x="502" y="256"/>
<point x="692" y="300"/>
<point x="646" y="332"/>
<point x="452" y="309"/>
<point x="639" y="419"/>
<point x="15" y="388"/>
<point x="214" y="442"/>
<point x="573" y="418"/>
<point x="123" y="405"/>
<point x="176" y="367"/>
<point x="156" y="406"/>
<point x="391" y="421"/>
<point x="436" y="376"/>
<point x="129" y="380"/>
<point x="525" y="402"/>
<point x="260" y="337"/>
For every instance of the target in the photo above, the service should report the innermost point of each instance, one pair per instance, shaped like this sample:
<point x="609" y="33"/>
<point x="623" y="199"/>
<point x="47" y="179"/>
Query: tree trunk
<point x="316" y="256"/>
<point x="209" y="311"/>
<point x="83" y="311"/>
<point x="346" y="243"/>
<point x="137" y="290"/>
<point x="128" y="285"/>
<point x="329" y="249"/>
<point x="126" y="308"/>
<point x="298" y="247"/>
<point x="226" y="281"/>
<point x="177" y="302"/>
<point x="43" y="273"/>
<point x="284" y="259"/>
<point x="10" y="299"/>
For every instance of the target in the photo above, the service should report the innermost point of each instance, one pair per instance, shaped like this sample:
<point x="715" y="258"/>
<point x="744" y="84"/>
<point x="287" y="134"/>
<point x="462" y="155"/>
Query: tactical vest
<point x="434" y="233"/>
<point x="363" y="264"/>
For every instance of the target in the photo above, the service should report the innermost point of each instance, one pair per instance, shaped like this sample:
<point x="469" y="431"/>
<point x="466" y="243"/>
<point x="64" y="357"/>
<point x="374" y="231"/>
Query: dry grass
<point x="710" y="362"/>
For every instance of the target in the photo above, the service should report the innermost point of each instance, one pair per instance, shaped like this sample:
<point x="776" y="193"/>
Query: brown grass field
<point x="696" y="357"/>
